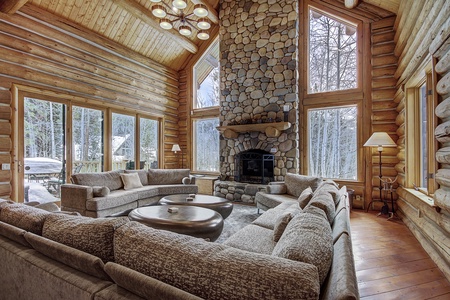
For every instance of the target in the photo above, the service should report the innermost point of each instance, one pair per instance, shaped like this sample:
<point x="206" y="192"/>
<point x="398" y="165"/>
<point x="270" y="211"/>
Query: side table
<point x="205" y="184"/>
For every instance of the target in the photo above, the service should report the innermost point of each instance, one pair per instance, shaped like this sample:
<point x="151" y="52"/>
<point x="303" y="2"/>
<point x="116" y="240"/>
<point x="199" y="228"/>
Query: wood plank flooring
<point x="390" y="263"/>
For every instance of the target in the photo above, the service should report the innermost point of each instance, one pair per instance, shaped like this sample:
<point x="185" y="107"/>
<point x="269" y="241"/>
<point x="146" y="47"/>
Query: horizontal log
<point x="385" y="171"/>
<point x="411" y="13"/>
<point x="442" y="132"/>
<point x="384" y="105"/>
<point x="443" y="155"/>
<point x="401" y="179"/>
<point x="443" y="65"/>
<point x="443" y="178"/>
<point x="386" y="115"/>
<point x="5" y="190"/>
<point x="400" y="167"/>
<point x="442" y="35"/>
<point x="442" y="198"/>
<point x="384" y="127"/>
<point x="401" y="130"/>
<point x="5" y="176"/>
<point x="443" y="85"/>
<point x="5" y="112"/>
<point x="384" y="60"/>
<point x="400" y="119"/>
<point x="384" y="94"/>
<point x="385" y="48"/>
<point x="5" y="144"/>
<point x="5" y="127"/>
<point x="401" y="155"/>
<point x="384" y="23"/>
<point x="443" y="109"/>
<point x="383" y="37"/>
<point x="5" y="97"/>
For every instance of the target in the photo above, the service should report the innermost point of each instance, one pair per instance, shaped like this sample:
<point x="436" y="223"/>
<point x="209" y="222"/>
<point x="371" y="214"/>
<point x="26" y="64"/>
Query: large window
<point x="149" y="137"/>
<point x="332" y="142"/>
<point x="420" y="124"/>
<point x="332" y="53"/>
<point x="206" y="111"/>
<point x="122" y="141"/>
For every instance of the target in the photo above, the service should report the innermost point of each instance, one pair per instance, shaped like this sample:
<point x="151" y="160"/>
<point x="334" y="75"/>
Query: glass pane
<point x="423" y="137"/>
<point x="87" y="140"/>
<point x="333" y="143"/>
<point x="332" y="54"/>
<point x="122" y="141"/>
<point x="44" y="145"/>
<point x="206" y="74"/>
<point x="206" y="145"/>
<point x="149" y="144"/>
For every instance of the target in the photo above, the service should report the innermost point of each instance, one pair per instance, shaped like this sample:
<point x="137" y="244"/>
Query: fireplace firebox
<point x="254" y="166"/>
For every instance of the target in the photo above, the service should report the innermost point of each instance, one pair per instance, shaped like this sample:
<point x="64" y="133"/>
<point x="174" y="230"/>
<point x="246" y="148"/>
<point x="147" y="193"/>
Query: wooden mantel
<point x="270" y="129"/>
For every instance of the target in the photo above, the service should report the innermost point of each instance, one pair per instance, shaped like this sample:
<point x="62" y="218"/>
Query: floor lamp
<point x="380" y="140"/>
<point x="176" y="148"/>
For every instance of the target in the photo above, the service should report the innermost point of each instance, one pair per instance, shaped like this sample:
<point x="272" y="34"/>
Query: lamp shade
<point x="176" y="148"/>
<point x="380" y="139"/>
<point x="200" y="10"/>
<point x="159" y="11"/>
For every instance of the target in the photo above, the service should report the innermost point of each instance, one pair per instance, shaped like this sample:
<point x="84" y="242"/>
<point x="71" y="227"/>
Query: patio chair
<point x="55" y="182"/>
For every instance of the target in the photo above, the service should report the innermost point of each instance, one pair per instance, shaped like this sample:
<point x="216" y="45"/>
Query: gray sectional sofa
<point x="114" y="192"/>
<point x="287" y="253"/>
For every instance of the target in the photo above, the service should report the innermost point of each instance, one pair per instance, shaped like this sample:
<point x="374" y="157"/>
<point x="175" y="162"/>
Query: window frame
<point x="359" y="152"/>
<point x="340" y="95"/>
<point x="194" y="145"/>
<point x="424" y="74"/>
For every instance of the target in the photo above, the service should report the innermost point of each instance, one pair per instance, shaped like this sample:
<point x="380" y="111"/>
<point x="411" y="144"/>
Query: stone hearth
<point x="237" y="191"/>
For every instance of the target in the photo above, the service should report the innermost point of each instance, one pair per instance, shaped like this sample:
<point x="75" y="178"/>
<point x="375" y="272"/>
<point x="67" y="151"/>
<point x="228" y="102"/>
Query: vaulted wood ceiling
<point x="131" y="23"/>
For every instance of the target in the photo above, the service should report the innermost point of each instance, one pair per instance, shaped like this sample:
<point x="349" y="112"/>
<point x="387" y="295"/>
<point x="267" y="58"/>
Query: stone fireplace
<point x="254" y="166"/>
<point x="259" y="85"/>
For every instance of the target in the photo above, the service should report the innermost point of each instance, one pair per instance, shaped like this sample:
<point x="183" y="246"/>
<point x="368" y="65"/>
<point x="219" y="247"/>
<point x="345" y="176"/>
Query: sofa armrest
<point x="276" y="189"/>
<point x="75" y="196"/>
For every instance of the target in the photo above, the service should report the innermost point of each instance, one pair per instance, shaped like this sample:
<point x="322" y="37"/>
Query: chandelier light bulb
<point x="203" y="35"/>
<point x="203" y="23"/>
<point x="155" y="1"/>
<point x="200" y="10"/>
<point x="165" y="24"/>
<point x="185" y="30"/>
<point x="159" y="11"/>
<point x="180" y="4"/>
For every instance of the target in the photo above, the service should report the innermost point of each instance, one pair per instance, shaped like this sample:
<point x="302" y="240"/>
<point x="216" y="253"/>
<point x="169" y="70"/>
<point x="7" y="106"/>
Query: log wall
<point x="413" y="37"/>
<point x="55" y="57"/>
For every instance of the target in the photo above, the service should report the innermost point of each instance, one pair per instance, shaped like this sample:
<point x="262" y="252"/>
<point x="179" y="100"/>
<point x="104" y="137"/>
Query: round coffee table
<point x="190" y="220"/>
<point x="221" y="205"/>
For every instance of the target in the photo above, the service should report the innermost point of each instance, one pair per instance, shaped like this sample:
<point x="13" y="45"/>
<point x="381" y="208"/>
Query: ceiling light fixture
<point x="163" y="11"/>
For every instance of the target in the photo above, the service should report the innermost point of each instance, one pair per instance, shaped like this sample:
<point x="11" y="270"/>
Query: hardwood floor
<point x="390" y="263"/>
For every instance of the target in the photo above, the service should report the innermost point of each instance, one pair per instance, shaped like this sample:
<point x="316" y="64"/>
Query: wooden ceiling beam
<point x="213" y="15"/>
<point x="145" y="15"/>
<point x="11" y="6"/>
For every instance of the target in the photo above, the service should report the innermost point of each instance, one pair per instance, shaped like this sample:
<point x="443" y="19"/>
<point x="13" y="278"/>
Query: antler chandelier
<point x="161" y="11"/>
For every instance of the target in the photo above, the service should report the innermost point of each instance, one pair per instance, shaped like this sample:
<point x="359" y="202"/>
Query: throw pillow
<point x="100" y="191"/>
<point x="186" y="180"/>
<point x="167" y="176"/>
<point x="143" y="175"/>
<point x="304" y="197"/>
<point x="295" y="184"/>
<point x="280" y="225"/>
<point x="130" y="181"/>
<point x="276" y="189"/>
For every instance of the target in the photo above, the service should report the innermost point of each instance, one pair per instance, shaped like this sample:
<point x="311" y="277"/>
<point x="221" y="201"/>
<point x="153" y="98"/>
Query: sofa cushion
<point x="110" y="179"/>
<point x="69" y="256"/>
<point x="25" y="217"/>
<point x="271" y="201"/>
<point x="340" y="224"/>
<point x="4" y="203"/>
<point x="324" y="201"/>
<point x="100" y="191"/>
<point x="305" y="197"/>
<point x="276" y="189"/>
<point x="143" y="175"/>
<point x="94" y="236"/>
<point x="167" y="176"/>
<point x="280" y="225"/>
<point x="144" y="286"/>
<point x="114" y="199"/>
<point x="307" y="238"/>
<point x="211" y="270"/>
<point x="253" y="238"/>
<point x="332" y="188"/>
<point x="130" y="181"/>
<point x="295" y="184"/>
<point x="13" y="233"/>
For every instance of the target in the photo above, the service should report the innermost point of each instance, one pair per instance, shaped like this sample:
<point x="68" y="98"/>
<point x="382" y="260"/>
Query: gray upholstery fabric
<point x="115" y="198"/>
<point x="144" y="286"/>
<point x="13" y="233"/>
<point x="342" y="282"/>
<point x="143" y="175"/>
<point x="330" y="187"/>
<point x="110" y="179"/>
<point x="305" y="197"/>
<point x="340" y="224"/>
<point x="295" y="183"/>
<point x="280" y="225"/>
<point x="94" y="236"/>
<point x="324" y="200"/>
<point x="307" y="238"/>
<point x="115" y="292"/>
<point x="48" y="206"/>
<point x="111" y="211"/>
<point x="4" y="203"/>
<point x="167" y="176"/>
<point x="276" y="189"/>
<point x="130" y="181"/>
<point x="271" y="201"/>
<point x="210" y="270"/>
<point x="69" y="256"/>
<point x="146" y="192"/>
<point x="25" y="217"/>
<point x="177" y="189"/>
<point x="100" y="191"/>
<point x="253" y="238"/>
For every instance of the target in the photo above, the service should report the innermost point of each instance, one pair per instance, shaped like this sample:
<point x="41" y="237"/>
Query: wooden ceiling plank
<point x="11" y="6"/>
<point x="116" y="19"/>
<point x="212" y="15"/>
<point x="105" y="17"/>
<point x="142" y="13"/>
<point x="131" y="36"/>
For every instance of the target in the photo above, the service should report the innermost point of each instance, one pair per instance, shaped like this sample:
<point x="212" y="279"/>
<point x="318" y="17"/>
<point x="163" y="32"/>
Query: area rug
<point x="241" y="216"/>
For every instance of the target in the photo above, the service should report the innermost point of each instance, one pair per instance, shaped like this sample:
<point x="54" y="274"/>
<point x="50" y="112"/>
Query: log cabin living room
<point x="247" y="97"/>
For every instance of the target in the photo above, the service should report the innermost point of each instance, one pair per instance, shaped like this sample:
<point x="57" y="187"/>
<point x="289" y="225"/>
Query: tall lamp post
<point x="380" y="140"/>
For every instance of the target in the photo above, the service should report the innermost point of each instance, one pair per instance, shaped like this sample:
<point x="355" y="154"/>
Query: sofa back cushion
<point x="13" y="233"/>
<point x="211" y="270"/>
<point x="167" y="176"/>
<point x="26" y="217"/>
<point x="307" y="238"/>
<point x="109" y="179"/>
<point x="69" y="256"/>
<point x="94" y="236"/>
<point x="324" y="201"/>
<point x="295" y="184"/>
<point x="143" y="175"/>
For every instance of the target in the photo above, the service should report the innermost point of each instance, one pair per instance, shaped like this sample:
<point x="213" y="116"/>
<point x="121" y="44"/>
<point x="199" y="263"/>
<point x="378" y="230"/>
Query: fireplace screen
<point x="254" y="166"/>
